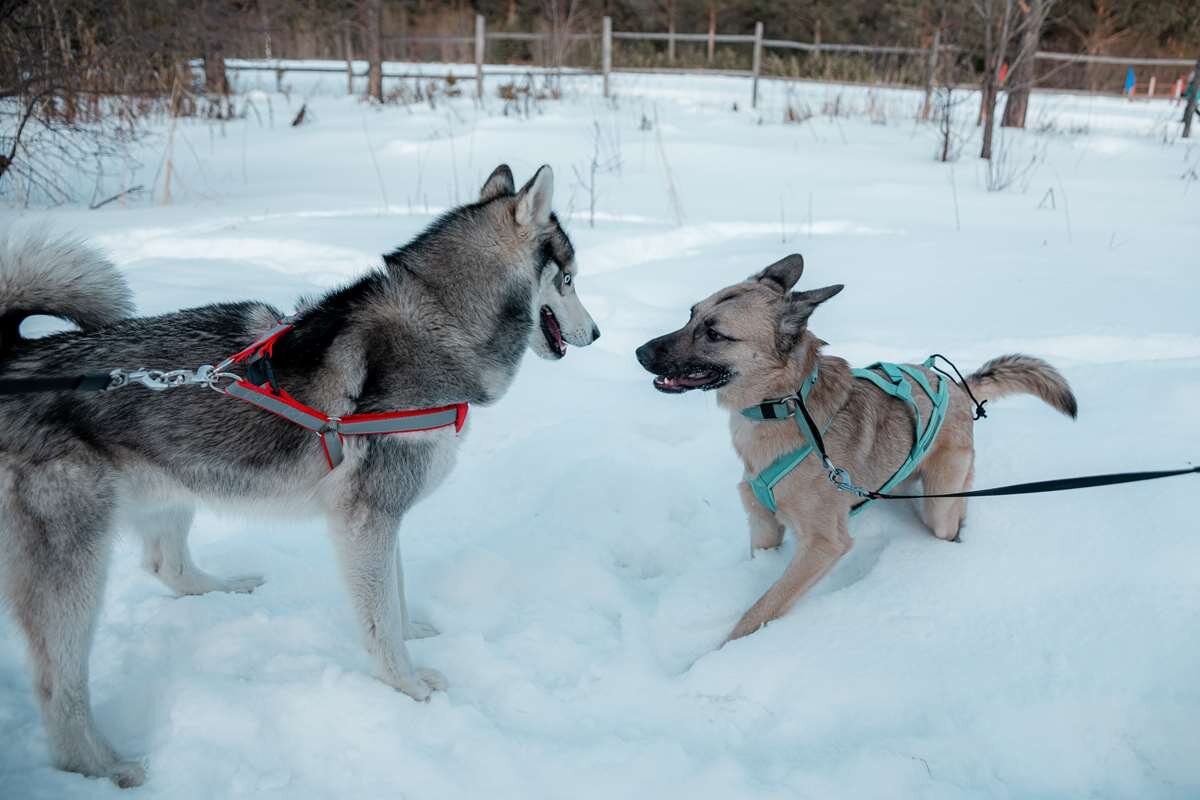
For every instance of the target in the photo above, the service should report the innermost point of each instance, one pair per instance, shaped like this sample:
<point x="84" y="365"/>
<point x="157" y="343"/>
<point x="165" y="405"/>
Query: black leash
<point x="1056" y="485"/>
<point x="91" y="382"/>
<point x="840" y="478"/>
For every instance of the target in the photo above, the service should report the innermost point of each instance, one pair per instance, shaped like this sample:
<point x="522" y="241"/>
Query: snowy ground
<point x="589" y="552"/>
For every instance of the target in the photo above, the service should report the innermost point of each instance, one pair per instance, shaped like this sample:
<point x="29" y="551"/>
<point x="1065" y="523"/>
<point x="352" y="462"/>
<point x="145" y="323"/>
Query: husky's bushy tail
<point x="58" y="277"/>
<point x="1021" y="374"/>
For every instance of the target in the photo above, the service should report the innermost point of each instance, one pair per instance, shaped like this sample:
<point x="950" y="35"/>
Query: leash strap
<point x="1056" y="485"/>
<point x="90" y="382"/>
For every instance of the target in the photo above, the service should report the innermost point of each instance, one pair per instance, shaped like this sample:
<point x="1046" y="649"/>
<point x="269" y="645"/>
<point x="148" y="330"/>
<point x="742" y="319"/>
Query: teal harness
<point x="893" y="379"/>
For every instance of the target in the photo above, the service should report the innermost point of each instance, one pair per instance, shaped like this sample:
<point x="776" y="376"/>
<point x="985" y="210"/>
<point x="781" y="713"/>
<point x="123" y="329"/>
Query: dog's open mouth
<point x="697" y="378"/>
<point x="553" y="332"/>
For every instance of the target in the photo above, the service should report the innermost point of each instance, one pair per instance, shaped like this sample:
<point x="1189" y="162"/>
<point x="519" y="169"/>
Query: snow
<point x="589" y="552"/>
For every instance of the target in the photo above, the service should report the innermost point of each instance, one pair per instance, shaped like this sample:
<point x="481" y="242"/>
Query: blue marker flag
<point x="1129" y="81"/>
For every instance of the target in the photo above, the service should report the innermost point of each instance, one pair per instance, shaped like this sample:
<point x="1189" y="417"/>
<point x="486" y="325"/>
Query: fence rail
<point x="607" y="36"/>
<point x="1133" y="61"/>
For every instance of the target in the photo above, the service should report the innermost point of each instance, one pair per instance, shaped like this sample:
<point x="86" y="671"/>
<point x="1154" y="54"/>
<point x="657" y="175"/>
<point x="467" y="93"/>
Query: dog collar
<point x="331" y="431"/>
<point x="783" y="407"/>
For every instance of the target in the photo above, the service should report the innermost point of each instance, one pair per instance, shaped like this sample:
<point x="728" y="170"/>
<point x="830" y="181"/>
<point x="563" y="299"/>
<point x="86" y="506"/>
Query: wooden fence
<point x="757" y="41"/>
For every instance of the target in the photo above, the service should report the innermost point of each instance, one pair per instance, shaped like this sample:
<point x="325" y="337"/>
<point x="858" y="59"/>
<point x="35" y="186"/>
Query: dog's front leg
<point x="367" y="545"/>
<point x="765" y="531"/>
<point x="829" y="540"/>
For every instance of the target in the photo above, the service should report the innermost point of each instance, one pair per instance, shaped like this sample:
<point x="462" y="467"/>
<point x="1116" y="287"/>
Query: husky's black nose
<point x="595" y="332"/>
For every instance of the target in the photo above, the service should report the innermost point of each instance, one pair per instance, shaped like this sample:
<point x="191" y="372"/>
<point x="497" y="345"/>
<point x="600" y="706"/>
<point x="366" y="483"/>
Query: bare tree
<point x="564" y="17"/>
<point x="1021" y="75"/>
<point x="997" y="18"/>
<point x="212" y="27"/>
<point x="1189" y="108"/>
<point x="67" y="71"/>
<point x="712" y="29"/>
<point x="372" y="22"/>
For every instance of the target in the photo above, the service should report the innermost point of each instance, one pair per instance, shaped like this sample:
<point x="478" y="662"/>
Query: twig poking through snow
<point x="378" y="173"/>
<point x="954" y="192"/>
<point x="672" y="194"/>
<point x="1066" y="208"/>
<point x="117" y="196"/>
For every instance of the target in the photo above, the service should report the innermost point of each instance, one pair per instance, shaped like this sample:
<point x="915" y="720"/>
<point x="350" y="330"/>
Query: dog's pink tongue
<point x="560" y="344"/>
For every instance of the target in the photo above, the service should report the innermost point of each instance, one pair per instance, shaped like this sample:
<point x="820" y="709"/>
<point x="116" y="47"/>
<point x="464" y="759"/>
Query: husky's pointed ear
<point x="798" y="308"/>
<point x="498" y="184"/>
<point x="536" y="198"/>
<point x="783" y="274"/>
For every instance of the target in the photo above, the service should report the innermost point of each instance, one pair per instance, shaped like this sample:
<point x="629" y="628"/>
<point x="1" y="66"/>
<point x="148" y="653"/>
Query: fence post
<point x="931" y="73"/>
<point x="1190" y="108"/>
<point x="480" y="43"/>
<point x="758" y="37"/>
<point x="606" y="51"/>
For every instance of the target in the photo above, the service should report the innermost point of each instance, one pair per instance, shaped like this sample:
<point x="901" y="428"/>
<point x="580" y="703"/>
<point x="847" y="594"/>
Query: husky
<point x="750" y="342"/>
<point x="444" y="320"/>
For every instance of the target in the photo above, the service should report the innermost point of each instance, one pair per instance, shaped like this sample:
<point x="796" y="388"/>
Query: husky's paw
<point x="127" y="774"/>
<point x="196" y="582"/>
<point x="243" y="584"/>
<point x="94" y="758"/>
<point x="420" y="630"/>
<point x="422" y="683"/>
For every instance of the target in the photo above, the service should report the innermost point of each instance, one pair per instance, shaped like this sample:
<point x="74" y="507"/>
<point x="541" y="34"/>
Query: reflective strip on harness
<point x="331" y="442"/>
<point x="280" y="404"/>
<point x="331" y="430"/>
<point x="406" y="421"/>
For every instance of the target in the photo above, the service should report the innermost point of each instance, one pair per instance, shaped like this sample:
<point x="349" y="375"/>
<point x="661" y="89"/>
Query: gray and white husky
<point x="445" y="320"/>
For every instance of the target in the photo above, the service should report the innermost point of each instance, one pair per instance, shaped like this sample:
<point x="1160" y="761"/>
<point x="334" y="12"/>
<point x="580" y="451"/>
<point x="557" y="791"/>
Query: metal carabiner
<point x="841" y="480"/>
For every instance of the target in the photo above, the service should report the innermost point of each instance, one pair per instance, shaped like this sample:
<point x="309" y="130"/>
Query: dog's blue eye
<point x="566" y="280"/>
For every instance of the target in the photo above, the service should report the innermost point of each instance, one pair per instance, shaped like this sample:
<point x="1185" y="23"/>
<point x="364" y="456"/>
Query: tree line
<point x="69" y="64"/>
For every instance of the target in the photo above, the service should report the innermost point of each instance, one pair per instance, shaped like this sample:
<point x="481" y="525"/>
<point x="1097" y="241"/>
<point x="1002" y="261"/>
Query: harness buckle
<point x="767" y="408"/>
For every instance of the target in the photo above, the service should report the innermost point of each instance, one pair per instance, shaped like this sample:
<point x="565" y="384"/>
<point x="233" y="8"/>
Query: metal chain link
<point x="160" y="380"/>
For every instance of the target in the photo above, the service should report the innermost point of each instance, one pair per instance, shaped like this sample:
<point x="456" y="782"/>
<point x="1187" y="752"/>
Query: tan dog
<point x="751" y="342"/>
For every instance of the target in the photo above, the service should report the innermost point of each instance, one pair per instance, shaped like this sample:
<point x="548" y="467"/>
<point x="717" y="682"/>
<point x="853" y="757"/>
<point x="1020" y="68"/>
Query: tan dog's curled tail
<point x="1021" y="374"/>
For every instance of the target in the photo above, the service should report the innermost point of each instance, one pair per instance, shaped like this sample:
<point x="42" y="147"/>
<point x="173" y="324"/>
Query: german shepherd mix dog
<point x="750" y="342"/>
<point x="444" y="320"/>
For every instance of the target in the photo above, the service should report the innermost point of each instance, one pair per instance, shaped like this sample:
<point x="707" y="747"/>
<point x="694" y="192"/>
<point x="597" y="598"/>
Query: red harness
<point x="330" y="430"/>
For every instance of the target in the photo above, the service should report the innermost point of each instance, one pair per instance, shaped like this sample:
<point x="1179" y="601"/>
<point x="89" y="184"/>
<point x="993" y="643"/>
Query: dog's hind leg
<point x="165" y="553"/>
<point x="765" y="531"/>
<point x="59" y="536"/>
<point x="946" y="470"/>
<point x="367" y="545"/>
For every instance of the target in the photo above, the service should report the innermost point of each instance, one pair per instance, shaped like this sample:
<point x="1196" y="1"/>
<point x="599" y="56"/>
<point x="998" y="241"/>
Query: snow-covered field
<point x="589" y="553"/>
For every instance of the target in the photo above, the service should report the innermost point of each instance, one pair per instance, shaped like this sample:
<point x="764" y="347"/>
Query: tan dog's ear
<point x="797" y="310"/>
<point x="498" y="184"/>
<point x="783" y="274"/>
